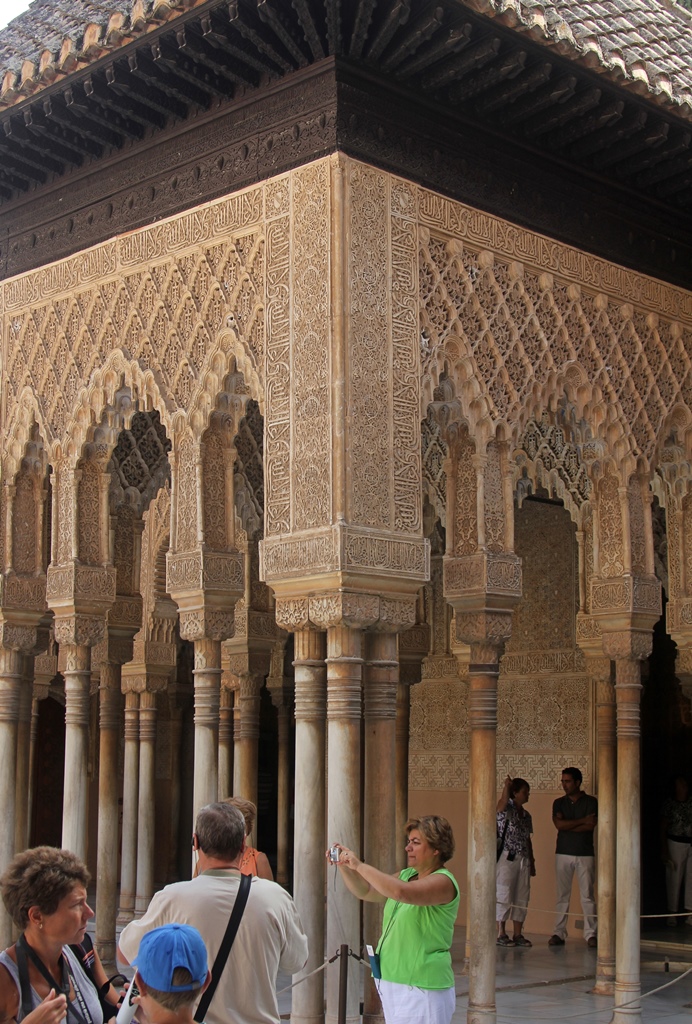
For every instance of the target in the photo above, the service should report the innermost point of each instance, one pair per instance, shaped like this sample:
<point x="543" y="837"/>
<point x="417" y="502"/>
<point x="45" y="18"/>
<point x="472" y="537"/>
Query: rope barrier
<point x="514" y="1017"/>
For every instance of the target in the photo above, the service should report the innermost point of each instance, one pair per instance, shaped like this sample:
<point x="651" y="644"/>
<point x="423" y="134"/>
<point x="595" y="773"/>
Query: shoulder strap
<point x="225" y="947"/>
<point x="24" y="983"/>
<point x="501" y="844"/>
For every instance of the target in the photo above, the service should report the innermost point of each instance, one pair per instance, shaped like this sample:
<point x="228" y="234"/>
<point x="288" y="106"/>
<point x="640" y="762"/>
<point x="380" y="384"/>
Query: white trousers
<point x="677" y="872"/>
<point x="404" y="1004"/>
<point x="513" y="888"/>
<point x="565" y="867"/>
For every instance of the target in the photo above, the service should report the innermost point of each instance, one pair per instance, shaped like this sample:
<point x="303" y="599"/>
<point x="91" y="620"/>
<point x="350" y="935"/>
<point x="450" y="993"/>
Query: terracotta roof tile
<point x="57" y="36"/>
<point x="650" y="39"/>
<point x="645" y="45"/>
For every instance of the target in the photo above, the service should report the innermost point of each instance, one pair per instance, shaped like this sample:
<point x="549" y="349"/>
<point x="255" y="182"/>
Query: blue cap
<point x="163" y="949"/>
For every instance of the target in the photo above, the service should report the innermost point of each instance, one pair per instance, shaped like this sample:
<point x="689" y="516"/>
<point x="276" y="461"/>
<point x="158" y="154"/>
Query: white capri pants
<point x="404" y="1004"/>
<point x="513" y="887"/>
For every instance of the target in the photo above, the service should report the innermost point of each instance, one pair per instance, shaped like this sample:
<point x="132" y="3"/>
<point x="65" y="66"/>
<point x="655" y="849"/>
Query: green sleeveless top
<point x="415" y="943"/>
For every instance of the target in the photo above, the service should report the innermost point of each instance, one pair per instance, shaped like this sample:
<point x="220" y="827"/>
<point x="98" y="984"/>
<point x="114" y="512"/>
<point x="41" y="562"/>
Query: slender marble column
<point x="10" y="681"/>
<point x="33" y="733"/>
<point x="225" y="743"/>
<point x="607" y="817"/>
<point x="77" y="675"/>
<point x="128" y="866"/>
<point x="282" y="793"/>
<point x="207" y="675"/>
<point x="21" y="824"/>
<point x="483" y="673"/>
<point x="247" y="739"/>
<point x="146" y="815"/>
<point x="403" y="714"/>
<point x="309" y="841"/>
<point x="628" y="889"/>
<point x="380" y="681"/>
<point x="344" y="699"/>
<point x="110" y="725"/>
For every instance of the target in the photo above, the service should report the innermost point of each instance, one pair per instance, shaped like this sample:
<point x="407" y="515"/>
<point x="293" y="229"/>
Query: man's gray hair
<point x="220" y="831"/>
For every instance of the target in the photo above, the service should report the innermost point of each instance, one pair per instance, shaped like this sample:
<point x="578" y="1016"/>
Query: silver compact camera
<point x="334" y="852"/>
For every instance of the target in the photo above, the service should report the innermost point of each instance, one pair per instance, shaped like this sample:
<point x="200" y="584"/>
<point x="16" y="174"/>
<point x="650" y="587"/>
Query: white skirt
<point x="404" y="1004"/>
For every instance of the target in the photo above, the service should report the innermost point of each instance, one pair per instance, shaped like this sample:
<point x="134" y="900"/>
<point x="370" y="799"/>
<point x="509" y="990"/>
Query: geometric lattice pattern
<point x="166" y="318"/>
<point x="517" y="327"/>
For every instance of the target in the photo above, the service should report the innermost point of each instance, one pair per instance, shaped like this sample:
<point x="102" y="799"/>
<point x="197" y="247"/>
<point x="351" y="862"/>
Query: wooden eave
<point x="475" y="68"/>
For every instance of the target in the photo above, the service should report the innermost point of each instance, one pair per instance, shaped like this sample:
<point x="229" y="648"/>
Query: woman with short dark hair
<point x="421" y="904"/>
<point x="42" y="981"/>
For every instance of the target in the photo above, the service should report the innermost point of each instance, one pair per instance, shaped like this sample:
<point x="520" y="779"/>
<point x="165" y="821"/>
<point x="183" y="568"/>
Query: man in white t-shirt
<point x="270" y="936"/>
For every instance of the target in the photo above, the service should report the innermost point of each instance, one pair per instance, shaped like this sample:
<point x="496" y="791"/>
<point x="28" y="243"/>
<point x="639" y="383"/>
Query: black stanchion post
<point x="343" y="983"/>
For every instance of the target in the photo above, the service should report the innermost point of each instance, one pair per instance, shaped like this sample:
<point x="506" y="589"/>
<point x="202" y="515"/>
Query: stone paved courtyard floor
<point x="554" y="984"/>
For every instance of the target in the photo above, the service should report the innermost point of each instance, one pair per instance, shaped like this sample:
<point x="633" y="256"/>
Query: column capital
<point x="77" y="630"/>
<point x="206" y="585"/>
<point x="355" y="608"/>
<point x="628" y="644"/>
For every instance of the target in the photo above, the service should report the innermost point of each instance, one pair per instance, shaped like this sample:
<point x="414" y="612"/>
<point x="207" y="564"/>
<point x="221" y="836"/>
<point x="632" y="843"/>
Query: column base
<point x="106" y="951"/>
<point x="300" y="1018"/>
<point x="481" y="1014"/>
<point x="604" y="987"/>
<point x="373" y="1018"/>
<point x="125" y="915"/>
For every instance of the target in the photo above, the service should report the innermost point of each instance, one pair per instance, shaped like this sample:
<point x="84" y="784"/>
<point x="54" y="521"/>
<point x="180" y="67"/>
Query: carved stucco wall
<point x="544" y="695"/>
<point x="251" y="275"/>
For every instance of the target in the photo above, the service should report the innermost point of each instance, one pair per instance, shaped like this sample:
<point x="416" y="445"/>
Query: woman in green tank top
<point x="421" y="903"/>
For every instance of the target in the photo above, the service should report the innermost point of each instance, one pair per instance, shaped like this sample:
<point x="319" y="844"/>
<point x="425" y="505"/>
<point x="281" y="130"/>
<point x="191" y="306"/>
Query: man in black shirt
<point x="575" y="816"/>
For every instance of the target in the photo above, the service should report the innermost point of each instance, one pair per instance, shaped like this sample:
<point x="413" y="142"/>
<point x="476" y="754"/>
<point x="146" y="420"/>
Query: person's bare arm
<point x="264" y="868"/>
<point x="433" y="890"/>
<point x="504" y="795"/>
<point x="355" y="883"/>
<point x="112" y="995"/>
<point x="51" y="1010"/>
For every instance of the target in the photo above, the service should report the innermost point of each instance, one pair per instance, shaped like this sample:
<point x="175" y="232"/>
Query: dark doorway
<point x="46" y="824"/>
<point x="666" y="752"/>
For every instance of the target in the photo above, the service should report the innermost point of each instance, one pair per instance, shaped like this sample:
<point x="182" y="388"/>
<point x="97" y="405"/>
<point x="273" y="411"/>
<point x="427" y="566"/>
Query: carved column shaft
<point x="225" y="743"/>
<point x="344" y="688"/>
<point x="483" y="673"/>
<point x="381" y="839"/>
<point x="110" y="725"/>
<point x="10" y="682"/>
<point x="128" y="865"/>
<point x="628" y="889"/>
<point x="607" y="817"/>
<point x="146" y="816"/>
<point x="283" y="793"/>
<point x="403" y="715"/>
<point x="247" y="736"/>
<point x="21" y="824"/>
<point x="77" y="673"/>
<point x="309" y="840"/>
<point x="207" y="676"/>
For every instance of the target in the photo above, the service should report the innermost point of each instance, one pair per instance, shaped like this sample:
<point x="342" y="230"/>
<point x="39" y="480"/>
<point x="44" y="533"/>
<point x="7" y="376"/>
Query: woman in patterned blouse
<point x="515" y="862"/>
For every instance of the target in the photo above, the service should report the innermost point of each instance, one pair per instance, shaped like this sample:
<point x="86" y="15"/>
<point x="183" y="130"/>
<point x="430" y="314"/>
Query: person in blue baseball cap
<point x="172" y="973"/>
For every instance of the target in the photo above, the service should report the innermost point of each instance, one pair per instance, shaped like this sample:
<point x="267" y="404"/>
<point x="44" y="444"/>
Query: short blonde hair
<point x="246" y="808"/>
<point x="438" y="833"/>
<point x="175" y="1001"/>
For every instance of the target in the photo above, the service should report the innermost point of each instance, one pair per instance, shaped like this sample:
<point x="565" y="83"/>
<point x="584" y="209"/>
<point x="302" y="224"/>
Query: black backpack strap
<point x="225" y="947"/>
